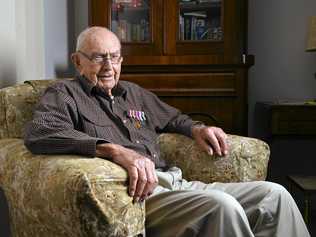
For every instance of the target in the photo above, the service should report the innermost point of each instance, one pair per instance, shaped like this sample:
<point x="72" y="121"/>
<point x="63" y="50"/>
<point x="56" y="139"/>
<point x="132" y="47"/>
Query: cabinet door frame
<point x="222" y="50"/>
<point x="152" y="48"/>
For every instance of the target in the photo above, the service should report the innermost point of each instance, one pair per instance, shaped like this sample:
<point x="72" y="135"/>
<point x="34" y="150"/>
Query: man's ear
<point x="75" y="59"/>
<point x="77" y="62"/>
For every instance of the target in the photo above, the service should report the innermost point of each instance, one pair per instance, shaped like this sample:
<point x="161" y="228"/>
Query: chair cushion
<point x="17" y="104"/>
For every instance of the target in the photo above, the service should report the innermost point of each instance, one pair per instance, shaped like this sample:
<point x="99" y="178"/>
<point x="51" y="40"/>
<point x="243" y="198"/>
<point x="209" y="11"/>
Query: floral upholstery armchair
<point x="70" y="195"/>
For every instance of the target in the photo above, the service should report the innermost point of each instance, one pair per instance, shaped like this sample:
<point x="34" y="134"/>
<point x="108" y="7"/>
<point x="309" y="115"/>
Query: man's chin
<point x="106" y="82"/>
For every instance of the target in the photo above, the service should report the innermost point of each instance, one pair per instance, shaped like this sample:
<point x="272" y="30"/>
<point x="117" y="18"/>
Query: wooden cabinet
<point x="290" y="130"/>
<point x="192" y="54"/>
<point x="288" y="119"/>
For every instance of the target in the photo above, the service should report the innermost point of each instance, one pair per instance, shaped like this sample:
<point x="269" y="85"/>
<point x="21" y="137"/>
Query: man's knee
<point x="273" y="188"/>
<point x="221" y="202"/>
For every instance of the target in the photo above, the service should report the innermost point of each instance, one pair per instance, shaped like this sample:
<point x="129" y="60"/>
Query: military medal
<point x="138" y="117"/>
<point x="138" y="124"/>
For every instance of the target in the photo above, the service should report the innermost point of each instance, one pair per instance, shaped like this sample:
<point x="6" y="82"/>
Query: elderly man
<point x="98" y="115"/>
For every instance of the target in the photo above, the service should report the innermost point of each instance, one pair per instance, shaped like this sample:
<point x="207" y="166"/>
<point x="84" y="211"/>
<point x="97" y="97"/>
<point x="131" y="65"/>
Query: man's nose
<point x="107" y="62"/>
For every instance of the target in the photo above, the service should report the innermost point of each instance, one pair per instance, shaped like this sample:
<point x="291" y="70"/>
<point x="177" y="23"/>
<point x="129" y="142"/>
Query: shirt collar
<point x="91" y="89"/>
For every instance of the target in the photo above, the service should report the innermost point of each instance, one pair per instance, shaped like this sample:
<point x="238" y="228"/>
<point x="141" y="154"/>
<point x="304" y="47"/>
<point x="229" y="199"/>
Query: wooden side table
<point x="285" y="119"/>
<point x="307" y="185"/>
<point x="290" y="130"/>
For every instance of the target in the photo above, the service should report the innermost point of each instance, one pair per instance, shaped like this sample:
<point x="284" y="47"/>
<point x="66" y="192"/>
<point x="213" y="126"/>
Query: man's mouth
<point x="104" y="76"/>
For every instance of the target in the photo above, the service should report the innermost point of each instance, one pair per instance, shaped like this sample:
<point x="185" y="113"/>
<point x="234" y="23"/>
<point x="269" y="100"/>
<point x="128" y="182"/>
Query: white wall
<point x="7" y="45"/>
<point x="56" y="37"/>
<point x="21" y="48"/>
<point x="63" y="20"/>
<point x="37" y="38"/>
<point x="277" y="37"/>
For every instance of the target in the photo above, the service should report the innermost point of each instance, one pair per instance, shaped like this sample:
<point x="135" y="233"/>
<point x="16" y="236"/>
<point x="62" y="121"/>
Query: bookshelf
<point x="191" y="53"/>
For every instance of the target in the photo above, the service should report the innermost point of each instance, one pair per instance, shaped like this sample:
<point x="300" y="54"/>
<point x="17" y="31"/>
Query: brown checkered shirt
<point x="73" y="116"/>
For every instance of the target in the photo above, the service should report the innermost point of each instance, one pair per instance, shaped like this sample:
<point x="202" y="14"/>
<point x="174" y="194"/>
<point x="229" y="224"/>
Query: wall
<point x="22" y="49"/>
<point x="277" y="38"/>
<point x="7" y="46"/>
<point x="38" y="38"/>
<point x="64" y="20"/>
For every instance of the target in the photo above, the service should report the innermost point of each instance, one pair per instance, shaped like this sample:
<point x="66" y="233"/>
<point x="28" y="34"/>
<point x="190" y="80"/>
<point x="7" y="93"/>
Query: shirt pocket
<point x="146" y="130"/>
<point x="99" y="126"/>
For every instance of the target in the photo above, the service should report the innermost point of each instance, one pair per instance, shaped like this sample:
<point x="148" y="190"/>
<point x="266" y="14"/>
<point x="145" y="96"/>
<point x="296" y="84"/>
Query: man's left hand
<point x="210" y="139"/>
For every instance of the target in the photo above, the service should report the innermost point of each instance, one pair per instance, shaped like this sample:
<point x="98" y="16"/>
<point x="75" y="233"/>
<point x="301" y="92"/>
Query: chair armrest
<point x="247" y="159"/>
<point x="66" y="195"/>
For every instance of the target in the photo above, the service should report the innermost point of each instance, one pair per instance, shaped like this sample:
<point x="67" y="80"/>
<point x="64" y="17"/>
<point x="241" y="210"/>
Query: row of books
<point x="193" y="26"/>
<point x="196" y="26"/>
<point x="128" y="32"/>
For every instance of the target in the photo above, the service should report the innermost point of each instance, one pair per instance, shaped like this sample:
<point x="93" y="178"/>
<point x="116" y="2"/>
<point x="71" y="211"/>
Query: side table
<point x="290" y="130"/>
<point x="307" y="185"/>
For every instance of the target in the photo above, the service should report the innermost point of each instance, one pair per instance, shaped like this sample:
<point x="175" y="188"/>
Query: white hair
<point x="83" y="35"/>
<point x="81" y="38"/>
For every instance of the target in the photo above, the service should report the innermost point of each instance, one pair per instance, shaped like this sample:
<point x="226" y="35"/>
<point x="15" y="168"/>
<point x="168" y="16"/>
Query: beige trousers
<point x="182" y="208"/>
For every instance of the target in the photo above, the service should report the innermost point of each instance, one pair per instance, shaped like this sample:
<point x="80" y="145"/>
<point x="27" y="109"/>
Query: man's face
<point x="99" y="59"/>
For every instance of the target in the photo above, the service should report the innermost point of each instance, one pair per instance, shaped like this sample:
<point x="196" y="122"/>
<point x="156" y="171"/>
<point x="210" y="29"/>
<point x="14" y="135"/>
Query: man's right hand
<point x="141" y="170"/>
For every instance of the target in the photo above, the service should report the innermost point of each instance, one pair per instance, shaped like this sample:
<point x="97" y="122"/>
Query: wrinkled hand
<point x="210" y="139"/>
<point x="141" y="171"/>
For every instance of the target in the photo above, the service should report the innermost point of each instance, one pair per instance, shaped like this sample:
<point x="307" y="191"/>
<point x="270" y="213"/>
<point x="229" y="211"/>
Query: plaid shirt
<point x="73" y="116"/>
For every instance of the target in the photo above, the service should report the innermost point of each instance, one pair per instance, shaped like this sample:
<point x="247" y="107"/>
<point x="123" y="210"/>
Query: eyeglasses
<point x="102" y="58"/>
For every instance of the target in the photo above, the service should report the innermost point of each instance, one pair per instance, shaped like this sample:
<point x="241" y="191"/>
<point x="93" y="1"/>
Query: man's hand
<point x="141" y="170"/>
<point x="210" y="139"/>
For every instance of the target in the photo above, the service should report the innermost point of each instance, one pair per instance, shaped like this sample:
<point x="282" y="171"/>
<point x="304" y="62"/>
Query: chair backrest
<point x="17" y="104"/>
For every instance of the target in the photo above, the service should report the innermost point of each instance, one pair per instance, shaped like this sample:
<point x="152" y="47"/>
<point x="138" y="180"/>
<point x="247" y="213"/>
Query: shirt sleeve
<point x="53" y="128"/>
<point x="165" y="117"/>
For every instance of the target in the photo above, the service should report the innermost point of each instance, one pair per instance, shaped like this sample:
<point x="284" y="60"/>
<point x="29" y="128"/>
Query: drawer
<point x="295" y="120"/>
<point x="186" y="84"/>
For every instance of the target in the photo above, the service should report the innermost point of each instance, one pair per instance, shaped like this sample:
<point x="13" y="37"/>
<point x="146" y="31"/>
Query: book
<point x="181" y="27"/>
<point x="194" y="25"/>
<point x="200" y="29"/>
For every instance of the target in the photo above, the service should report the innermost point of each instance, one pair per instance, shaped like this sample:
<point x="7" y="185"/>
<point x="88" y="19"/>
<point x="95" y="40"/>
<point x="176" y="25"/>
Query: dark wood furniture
<point x="290" y="130"/>
<point x="192" y="54"/>
<point x="293" y="119"/>
<point x="307" y="185"/>
<point x="285" y="119"/>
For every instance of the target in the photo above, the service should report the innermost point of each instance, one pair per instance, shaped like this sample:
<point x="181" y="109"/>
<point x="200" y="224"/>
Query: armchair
<point x="70" y="195"/>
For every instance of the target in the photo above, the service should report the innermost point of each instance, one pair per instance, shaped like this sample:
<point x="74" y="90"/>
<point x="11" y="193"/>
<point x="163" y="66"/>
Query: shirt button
<point x="137" y="141"/>
<point x="154" y="155"/>
<point x="124" y="121"/>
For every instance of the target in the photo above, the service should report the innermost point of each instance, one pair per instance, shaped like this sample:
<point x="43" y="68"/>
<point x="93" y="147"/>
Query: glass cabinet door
<point x="130" y="20"/>
<point x="200" y="27"/>
<point x="137" y="24"/>
<point x="200" y="20"/>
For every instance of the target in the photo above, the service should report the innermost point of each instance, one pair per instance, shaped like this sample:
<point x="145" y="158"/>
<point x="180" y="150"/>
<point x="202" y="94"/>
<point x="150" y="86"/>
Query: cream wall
<point x="7" y="43"/>
<point x="63" y="21"/>
<point x="22" y="41"/>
